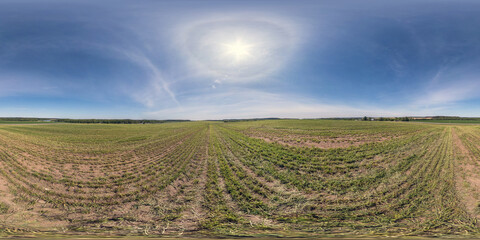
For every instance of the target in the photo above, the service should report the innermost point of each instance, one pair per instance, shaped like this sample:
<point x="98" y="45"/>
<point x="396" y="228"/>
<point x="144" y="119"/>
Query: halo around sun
<point x="238" y="49"/>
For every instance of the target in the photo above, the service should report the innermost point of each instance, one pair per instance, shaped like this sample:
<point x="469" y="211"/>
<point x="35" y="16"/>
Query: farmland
<point x="275" y="177"/>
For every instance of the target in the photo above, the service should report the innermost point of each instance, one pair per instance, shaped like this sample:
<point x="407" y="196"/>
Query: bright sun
<point x="238" y="50"/>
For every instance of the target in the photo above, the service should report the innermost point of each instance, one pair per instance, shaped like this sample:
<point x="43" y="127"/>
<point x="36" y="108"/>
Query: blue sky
<point x="239" y="59"/>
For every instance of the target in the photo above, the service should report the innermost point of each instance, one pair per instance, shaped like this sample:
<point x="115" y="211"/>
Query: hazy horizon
<point x="212" y="59"/>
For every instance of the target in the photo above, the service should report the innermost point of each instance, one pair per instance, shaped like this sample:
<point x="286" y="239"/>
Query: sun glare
<point x="238" y="50"/>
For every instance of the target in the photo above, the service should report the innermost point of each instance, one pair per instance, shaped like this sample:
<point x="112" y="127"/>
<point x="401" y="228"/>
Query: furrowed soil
<point x="269" y="178"/>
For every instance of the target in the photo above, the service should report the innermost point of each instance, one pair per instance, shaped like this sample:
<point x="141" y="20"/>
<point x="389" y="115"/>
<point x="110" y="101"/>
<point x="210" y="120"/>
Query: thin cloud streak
<point x="315" y="58"/>
<point x="256" y="104"/>
<point x="450" y="94"/>
<point x="157" y="83"/>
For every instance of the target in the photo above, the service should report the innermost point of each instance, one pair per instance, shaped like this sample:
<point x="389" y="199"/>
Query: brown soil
<point x="193" y="212"/>
<point x="20" y="215"/>
<point x="326" y="143"/>
<point x="468" y="184"/>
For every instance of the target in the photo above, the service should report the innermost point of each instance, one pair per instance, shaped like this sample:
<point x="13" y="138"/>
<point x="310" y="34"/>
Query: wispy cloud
<point x="184" y="59"/>
<point x="247" y="103"/>
<point x="453" y="83"/>
<point x="450" y="93"/>
<point x="157" y="86"/>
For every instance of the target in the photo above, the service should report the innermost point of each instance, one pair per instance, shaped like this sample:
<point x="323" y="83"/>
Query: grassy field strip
<point x="467" y="150"/>
<point x="101" y="192"/>
<point x="301" y="177"/>
<point x="415" y="192"/>
<point x="88" y="162"/>
<point x="31" y="187"/>
<point x="220" y="215"/>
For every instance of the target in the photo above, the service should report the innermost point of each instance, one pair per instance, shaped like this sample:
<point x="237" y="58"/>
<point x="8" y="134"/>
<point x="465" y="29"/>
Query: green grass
<point x="450" y="121"/>
<point x="252" y="178"/>
<point x="4" y="208"/>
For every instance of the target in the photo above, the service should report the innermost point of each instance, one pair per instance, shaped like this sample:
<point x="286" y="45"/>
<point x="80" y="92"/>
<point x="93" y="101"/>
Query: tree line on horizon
<point x="150" y="121"/>
<point x="107" y="121"/>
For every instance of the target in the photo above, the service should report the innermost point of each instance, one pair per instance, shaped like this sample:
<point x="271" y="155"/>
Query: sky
<point x="218" y="59"/>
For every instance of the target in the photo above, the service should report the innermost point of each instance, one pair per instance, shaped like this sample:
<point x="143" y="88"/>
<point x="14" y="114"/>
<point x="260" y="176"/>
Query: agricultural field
<point x="22" y="122"/>
<point x="454" y="121"/>
<point x="292" y="178"/>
